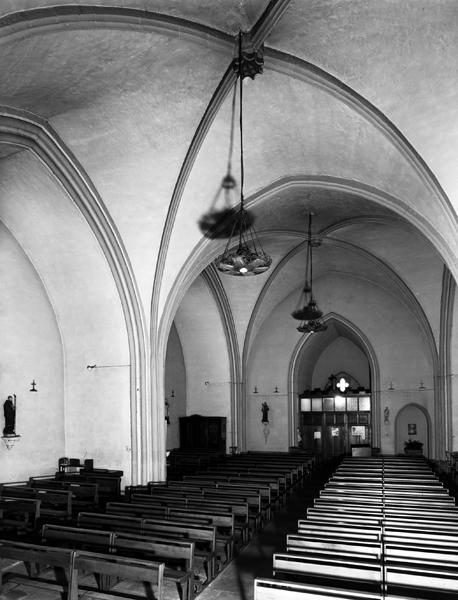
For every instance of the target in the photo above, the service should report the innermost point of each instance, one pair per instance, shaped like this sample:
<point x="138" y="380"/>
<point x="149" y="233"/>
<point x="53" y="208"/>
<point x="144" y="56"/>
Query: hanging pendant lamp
<point x="307" y="310"/>
<point x="248" y="257"/>
<point x="219" y="222"/>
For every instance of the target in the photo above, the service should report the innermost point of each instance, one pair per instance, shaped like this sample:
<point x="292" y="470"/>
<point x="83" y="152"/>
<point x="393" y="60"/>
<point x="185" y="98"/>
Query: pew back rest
<point x="340" y="531"/>
<point x="109" y="522"/>
<point x="34" y="553"/>
<point x="311" y="543"/>
<point x="198" y="533"/>
<point x="17" y="491"/>
<point x="121" y="566"/>
<point x="219" y="520"/>
<point x="366" y="569"/>
<point x="273" y="589"/>
<point x="77" y="537"/>
<point x="136" y="510"/>
<point x="166" y="550"/>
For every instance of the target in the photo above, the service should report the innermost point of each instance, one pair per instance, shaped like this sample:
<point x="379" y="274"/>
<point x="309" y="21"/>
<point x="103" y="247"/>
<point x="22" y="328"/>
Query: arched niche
<point x="202" y="334"/>
<point x="413" y="422"/>
<point x="32" y="348"/>
<point x="175" y="388"/>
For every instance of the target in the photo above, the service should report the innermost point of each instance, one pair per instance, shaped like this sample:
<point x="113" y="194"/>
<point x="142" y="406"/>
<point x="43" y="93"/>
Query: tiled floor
<point x="235" y="582"/>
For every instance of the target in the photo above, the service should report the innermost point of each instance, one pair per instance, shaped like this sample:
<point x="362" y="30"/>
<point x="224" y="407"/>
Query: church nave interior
<point x="140" y="143"/>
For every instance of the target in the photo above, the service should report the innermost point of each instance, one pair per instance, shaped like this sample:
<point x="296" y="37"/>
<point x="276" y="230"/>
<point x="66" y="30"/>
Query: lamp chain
<point x="242" y="172"/>
<point x="231" y="139"/>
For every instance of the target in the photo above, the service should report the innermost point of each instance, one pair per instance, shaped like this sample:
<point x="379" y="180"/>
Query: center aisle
<point x="236" y="580"/>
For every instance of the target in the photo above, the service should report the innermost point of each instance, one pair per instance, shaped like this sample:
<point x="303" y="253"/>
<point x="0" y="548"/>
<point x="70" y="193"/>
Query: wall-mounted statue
<point x="265" y="412"/>
<point x="300" y="441"/>
<point x="386" y="415"/>
<point x="9" y="412"/>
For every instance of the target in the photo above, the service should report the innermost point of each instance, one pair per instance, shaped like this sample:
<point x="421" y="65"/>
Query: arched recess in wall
<point x="28" y="131"/>
<point x="175" y="388"/>
<point x="413" y="422"/>
<point x="314" y="345"/>
<point x="201" y="322"/>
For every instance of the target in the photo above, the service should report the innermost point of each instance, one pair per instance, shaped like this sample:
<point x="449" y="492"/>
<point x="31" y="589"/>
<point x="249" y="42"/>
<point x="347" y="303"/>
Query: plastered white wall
<point x="386" y="322"/>
<point x="31" y="349"/>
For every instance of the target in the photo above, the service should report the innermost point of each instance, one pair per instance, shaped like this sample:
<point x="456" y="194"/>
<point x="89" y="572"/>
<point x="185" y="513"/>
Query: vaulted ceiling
<point x="355" y="117"/>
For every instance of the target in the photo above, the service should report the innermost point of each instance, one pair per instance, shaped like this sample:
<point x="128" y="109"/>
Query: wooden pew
<point x="198" y="503"/>
<point x="240" y="510"/>
<point x="85" y="495"/>
<point x="77" y="538"/>
<point x="223" y="521"/>
<point x="274" y="589"/>
<point x="264" y="491"/>
<point x="21" y="514"/>
<point x="204" y="536"/>
<point x="276" y="494"/>
<point x="365" y="571"/>
<point x="32" y="555"/>
<point x="306" y="463"/>
<point x="108" y="481"/>
<point x="141" y="510"/>
<point x="293" y="473"/>
<point x="282" y="479"/>
<point x="352" y="495"/>
<point x="177" y="555"/>
<point x="256" y="515"/>
<point x="406" y="507"/>
<point x="426" y="524"/>
<point x="391" y="489"/>
<point x="397" y="573"/>
<point x="342" y="531"/>
<point x="165" y="500"/>
<point x="109" y="566"/>
<point x="56" y="504"/>
<point x="296" y="543"/>
<point x="123" y="523"/>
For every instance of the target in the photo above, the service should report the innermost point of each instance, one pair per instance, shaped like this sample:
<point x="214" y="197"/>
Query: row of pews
<point x="183" y="531"/>
<point x="25" y="504"/>
<point x="382" y="527"/>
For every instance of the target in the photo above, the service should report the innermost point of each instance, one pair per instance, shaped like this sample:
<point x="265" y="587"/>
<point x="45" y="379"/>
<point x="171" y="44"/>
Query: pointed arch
<point x="30" y="132"/>
<point x="293" y="370"/>
<point x="213" y="281"/>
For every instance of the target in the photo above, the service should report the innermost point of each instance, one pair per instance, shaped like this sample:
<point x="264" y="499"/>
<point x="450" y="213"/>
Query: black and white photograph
<point x="228" y="304"/>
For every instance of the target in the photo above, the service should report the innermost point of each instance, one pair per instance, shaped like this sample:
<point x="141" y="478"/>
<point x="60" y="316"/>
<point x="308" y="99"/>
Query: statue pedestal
<point x="10" y="440"/>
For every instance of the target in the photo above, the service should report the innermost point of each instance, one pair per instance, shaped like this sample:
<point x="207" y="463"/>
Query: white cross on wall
<point x="342" y="385"/>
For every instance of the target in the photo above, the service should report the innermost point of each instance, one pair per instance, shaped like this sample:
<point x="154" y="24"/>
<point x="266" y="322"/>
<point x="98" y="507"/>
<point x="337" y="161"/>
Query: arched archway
<point x="310" y="343"/>
<point x="209" y="355"/>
